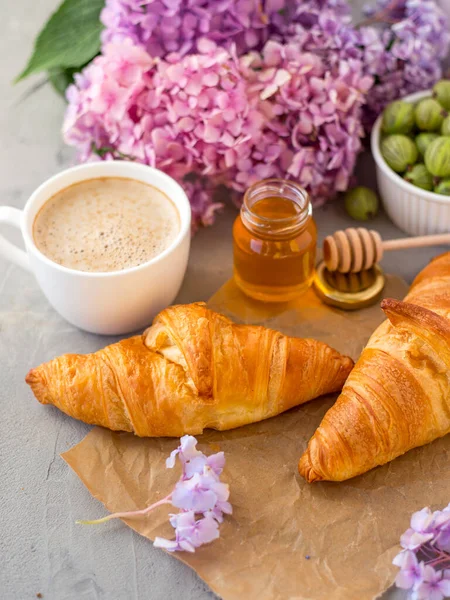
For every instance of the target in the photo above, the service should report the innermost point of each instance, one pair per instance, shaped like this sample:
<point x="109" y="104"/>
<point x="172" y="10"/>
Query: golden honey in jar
<point x="274" y="241"/>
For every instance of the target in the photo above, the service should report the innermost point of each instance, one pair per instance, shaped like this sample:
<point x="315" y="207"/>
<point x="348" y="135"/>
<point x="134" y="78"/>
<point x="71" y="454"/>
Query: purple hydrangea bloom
<point x="164" y="26"/>
<point x="406" y="55"/>
<point x="221" y="118"/>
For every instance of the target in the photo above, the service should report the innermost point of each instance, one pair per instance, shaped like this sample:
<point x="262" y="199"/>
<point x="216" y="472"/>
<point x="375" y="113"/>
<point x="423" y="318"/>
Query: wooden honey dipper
<point x="357" y="249"/>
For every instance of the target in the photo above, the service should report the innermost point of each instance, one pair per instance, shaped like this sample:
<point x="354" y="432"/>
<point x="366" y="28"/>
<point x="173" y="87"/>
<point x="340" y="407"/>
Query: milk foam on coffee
<point x="106" y="224"/>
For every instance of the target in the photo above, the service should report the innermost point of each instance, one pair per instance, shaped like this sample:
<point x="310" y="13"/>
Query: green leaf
<point x="104" y="150"/>
<point x="70" y="38"/>
<point x="61" y="78"/>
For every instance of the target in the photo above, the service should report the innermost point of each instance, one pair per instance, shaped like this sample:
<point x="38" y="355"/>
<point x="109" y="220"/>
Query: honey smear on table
<point x="275" y="240"/>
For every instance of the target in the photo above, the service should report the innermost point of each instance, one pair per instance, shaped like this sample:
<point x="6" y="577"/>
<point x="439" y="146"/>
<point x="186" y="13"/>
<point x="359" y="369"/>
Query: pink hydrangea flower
<point x="230" y="92"/>
<point x="313" y="118"/>
<point x="185" y="115"/>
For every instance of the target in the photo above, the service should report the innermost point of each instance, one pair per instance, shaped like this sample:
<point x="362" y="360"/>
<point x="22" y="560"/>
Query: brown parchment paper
<point x="286" y="540"/>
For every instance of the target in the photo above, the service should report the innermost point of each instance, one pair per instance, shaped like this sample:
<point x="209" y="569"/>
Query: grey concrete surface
<point x="41" y="548"/>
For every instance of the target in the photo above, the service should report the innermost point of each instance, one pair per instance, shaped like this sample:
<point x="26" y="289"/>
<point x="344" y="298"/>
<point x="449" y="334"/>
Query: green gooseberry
<point x="361" y="203"/>
<point x="399" y="151"/>
<point x="441" y="92"/>
<point x="429" y="115"/>
<point x="443" y="187"/>
<point x="445" y="129"/>
<point x="423" y="140"/>
<point x="398" y="117"/>
<point x="419" y="176"/>
<point x="437" y="157"/>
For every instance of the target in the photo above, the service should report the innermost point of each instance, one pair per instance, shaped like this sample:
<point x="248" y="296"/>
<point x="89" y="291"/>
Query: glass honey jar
<point x="274" y="241"/>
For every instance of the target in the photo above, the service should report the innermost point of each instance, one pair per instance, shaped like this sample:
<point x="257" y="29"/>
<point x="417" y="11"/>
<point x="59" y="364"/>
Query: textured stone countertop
<point x="41" y="548"/>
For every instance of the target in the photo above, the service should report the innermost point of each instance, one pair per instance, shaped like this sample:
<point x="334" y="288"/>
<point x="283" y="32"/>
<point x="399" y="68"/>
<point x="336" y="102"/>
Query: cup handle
<point x="12" y="216"/>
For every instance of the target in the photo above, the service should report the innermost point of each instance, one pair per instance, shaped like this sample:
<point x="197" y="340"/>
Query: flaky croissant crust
<point x="193" y="369"/>
<point x="398" y="395"/>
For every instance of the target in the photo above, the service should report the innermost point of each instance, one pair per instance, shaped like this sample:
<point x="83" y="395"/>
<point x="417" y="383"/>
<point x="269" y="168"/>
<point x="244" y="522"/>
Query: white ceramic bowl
<point x="414" y="210"/>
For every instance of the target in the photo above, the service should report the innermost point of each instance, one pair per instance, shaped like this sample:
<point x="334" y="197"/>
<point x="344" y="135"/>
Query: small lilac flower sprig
<point x="199" y="494"/>
<point x="425" y="559"/>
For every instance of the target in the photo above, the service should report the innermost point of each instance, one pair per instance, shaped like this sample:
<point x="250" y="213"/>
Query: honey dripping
<point x="275" y="240"/>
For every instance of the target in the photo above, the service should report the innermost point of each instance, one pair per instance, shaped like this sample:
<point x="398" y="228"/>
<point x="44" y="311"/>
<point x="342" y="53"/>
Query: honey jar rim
<point x="276" y="226"/>
<point x="305" y="209"/>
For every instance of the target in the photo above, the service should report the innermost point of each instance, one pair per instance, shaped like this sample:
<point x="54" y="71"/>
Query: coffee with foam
<point x="106" y="224"/>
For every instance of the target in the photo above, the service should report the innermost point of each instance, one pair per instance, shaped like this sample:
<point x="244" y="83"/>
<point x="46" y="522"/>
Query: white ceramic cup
<point x="110" y="303"/>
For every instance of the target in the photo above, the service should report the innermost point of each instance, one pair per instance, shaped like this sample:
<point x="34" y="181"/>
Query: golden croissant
<point x="191" y="370"/>
<point x="398" y="395"/>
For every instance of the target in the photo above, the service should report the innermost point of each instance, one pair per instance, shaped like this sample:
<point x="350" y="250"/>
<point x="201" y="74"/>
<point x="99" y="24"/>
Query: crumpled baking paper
<point x="286" y="539"/>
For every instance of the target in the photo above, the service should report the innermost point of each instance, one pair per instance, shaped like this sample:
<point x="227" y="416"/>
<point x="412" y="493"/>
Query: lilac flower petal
<point x="195" y="465"/>
<point x="197" y="500"/>
<point x="432" y="585"/>
<point x="410" y="572"/>
<point x="188" y="447"/>
<point x="183" y="520"/>
<point x="441" y="519"/>
<point x="405" y="559"/>
<point x="405" y="580"/>
<point x="170" y="461"/>
<point x="207" y="530"/>
<point x="194" y="532"/>
<point x="412" y="540"/>
<point x="221" y="490"/>
<point x="421" y="520"/>
<point x="444" y="587"/>
<point x="170" y="545"/>
<point x="200" y="493"/>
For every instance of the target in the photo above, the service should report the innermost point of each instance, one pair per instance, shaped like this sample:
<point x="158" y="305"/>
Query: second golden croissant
<point x="193" y="369"/>
<point x="398" y="395"/>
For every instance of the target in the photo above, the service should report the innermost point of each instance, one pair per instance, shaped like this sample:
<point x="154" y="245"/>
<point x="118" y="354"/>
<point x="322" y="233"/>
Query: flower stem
<point x="128" y="514"/>
<point x="439" y="561"/>
<point x="382" y="16"/>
